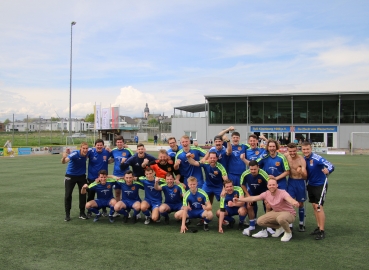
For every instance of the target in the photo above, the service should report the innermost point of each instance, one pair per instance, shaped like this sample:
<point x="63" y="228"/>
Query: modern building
<point x="327" y="119"/>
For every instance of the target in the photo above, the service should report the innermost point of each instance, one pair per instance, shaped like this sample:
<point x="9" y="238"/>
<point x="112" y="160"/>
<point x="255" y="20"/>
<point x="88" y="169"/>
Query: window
<point x="315" y="112"/>
<point x="330" y="111"/>
<point x="361" y="111"/>
<point x="241" y="112"/>
<point x="229" y="113"/>
<point x="256" y="112"/>
<point x="300" y="112"/>
<point x="192" y="134"/>
<point x="347" y="111"/>
<point x="270" y="112"/>
<point x="215" y="113"/>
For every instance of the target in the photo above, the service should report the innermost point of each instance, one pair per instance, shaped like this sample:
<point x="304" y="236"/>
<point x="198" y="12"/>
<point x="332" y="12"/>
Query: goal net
<point x="359" y="143"/>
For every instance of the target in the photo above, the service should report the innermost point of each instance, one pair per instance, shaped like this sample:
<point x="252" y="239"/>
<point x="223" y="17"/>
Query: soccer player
<point x="163" y="165"/>
<point x="296" y="186"/>
<point x="282" y="214"/>
<point x="185" y="168"/>
<point x="229" y="208"/>
<point x="75" y="174"/>
<point x="8" y="146"/>
<point x="173" y="196"/>
<point x="275" y="164"/>
<point x="153" y="198"/>
<point x="196" y="204"/>
<point x="119" y="154"/>
<point x="254" y="181"/>
<point x="174" y="148"/>
<point x="254" y="152"/>
<point x="98" y="158"/>
<point x="105" y="198"/>
<point x="138" y="161"/>
<point x="237" y="159"/>
<point x="215" y="174"/>
<point x="318" y="169"/>
<point x="222" y="151"/>
<point x="130" y="197"/>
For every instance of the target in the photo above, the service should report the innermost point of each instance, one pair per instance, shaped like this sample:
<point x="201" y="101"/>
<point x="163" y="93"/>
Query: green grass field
<point x="35" y="236"/>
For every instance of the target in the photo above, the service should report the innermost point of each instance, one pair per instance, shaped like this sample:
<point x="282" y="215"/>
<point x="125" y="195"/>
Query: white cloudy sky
<point x="172" y="53"/>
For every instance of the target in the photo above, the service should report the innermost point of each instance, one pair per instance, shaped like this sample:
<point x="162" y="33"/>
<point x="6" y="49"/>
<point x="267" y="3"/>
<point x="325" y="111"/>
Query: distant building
<point x="146" y="111"/>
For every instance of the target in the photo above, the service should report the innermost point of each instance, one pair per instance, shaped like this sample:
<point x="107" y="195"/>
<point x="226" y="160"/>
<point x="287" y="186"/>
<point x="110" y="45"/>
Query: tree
<point x="90" y="118"/>
<point x="7" y="121"/>
<point x="153" y="122"/>
<point x="55" y="119"/>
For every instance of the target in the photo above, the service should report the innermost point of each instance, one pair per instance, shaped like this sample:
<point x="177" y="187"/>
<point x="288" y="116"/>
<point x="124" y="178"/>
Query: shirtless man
<point x="296" y="183"/>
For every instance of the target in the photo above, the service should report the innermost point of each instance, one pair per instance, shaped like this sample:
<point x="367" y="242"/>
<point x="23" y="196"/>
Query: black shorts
<point x="315" y="192"/>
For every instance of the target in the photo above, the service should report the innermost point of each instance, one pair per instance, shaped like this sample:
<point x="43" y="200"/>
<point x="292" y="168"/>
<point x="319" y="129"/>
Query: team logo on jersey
<point x="169" y="169"/>
<point x="311" y="162"/>
<point x="104" y="158"/>
<point x="175" y="190"/>
<point x="124" y="154"/>
<point x="257" y="152"/>
<point x="259" y="181"/>
<point x="109" y="186"/>
<point x="199" y="199"/>
<point x="239" y="148"/>
<point x="216" y="172"/>
<point x="277" y="163"/>
<point x="133" y="188"/>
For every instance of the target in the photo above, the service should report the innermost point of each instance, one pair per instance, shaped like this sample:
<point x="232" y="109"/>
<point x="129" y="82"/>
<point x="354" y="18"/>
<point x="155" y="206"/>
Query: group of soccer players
<point x="190" y="177"/>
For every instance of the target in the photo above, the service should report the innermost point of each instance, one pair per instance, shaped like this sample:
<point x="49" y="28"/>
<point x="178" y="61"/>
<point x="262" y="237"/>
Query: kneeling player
<point x="173" y="196"/>
<point x="153" y="197"/>
<point x="130" y="197"/>
<point x="228" y="208"/>
<point x="105" y="198"/>
<point x="196" y="204"/>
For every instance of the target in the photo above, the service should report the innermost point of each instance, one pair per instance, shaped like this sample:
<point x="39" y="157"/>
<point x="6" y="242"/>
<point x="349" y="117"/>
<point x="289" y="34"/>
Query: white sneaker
<point x="278" y="232"/>
<point x="286" y="237"/>
<point x="248" y="230"/>
<point x="147" y="220"/>
<point x="129" y="215"/>
<point x="225" y="223"/>
<point x="116" y="214"/>
<point x="138" y="216"/>
<point x="270" y="230"/>
<point x="261" y="234"/>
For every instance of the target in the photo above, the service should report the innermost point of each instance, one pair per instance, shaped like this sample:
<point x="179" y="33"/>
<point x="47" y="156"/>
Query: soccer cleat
<point x="147" y="220"/>
<point x="247" y="231"/>
<point x="188" y="221"/>
<point x="301" y="228"/>
<point x="82" y="216"/>
<point x="270" y="230"/>
<point x="111" y="219"/>
<point x="129" y="215"/>
<point x="138" y="216"/>
<point x="206" y="227"/>
<point x="104" y="213"/>
<point x="125" y="219"/>
<point x="246" y="223"/>
<point x="96" y="219"/>
<point x="320" y="235"/>
<point x="286" y="237"/>
<point x="200" y="223"/>
<point x="166" y="220"/>
<point x="89" y="215"/>
<point x="261" y="234"/>
<point x="278" y="232"/>
<point x="67" y="218"/>
<point x="116" y="214"/>
<point x="231" y="223"/>
<point x="240" y="226"/>
<point x="225" y="223"/>
<point x="316" y="231"/>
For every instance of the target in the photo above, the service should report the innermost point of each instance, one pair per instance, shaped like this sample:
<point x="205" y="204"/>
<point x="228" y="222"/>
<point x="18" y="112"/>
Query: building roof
<point x="193" y="108"/>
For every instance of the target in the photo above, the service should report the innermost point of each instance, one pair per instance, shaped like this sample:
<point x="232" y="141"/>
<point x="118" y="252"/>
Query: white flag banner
<point x="97" y="117"/>
<point x="105" y="115"/>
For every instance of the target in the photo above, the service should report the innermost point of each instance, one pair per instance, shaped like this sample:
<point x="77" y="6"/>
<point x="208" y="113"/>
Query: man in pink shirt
<point x="282" y="214"/>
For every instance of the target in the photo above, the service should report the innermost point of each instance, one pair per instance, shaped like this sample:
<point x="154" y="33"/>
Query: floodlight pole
<point x="70" y="81"/>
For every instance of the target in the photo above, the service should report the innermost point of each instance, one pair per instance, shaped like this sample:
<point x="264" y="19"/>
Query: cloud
<point x="345" y="56"/>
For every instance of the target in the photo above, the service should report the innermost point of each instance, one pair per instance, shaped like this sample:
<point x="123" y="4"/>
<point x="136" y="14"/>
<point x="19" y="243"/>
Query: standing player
<point x="196" y="204"/>
<point x="254" y="152"/>
<point x="275" y="164"/>
<point x="98" y="158"/>
<point x="174" y="148"/>
<point x="296" y="186"/>
<point x="75" y="174"/>
<point x="228" y="208"/>
<point x="318" y="170"/>
<point x="215" y="174"/>
<point x="163" y="165"/>
<point x="185" y="168"/>
<point x="105" y="198"/>
<point x="8" y="146"/>
<point x="222" y="151"/>
<point x="130" y="197"/>
<point x="173" y="196"/>
<point x="254" y="181"/>
<point x="138" y="161"/>
<point x="153" y="198"/>
<point x="237" y="159"/>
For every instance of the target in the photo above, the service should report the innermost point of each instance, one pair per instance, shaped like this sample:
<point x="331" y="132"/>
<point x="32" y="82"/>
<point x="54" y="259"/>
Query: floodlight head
<point x="73" y="23"/>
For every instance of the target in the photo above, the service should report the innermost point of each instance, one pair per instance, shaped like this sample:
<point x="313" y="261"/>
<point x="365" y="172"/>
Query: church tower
<point x="146" y="111"/>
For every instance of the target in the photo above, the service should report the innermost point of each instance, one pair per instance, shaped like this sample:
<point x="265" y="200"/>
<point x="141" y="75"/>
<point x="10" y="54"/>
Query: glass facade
<point x="280" y="112"/>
